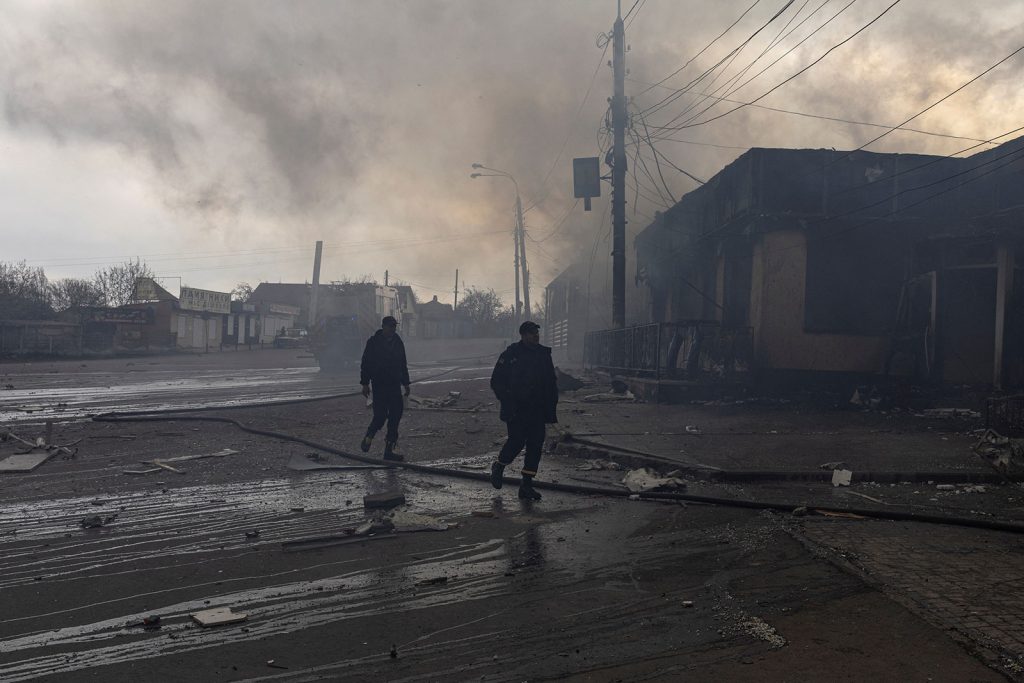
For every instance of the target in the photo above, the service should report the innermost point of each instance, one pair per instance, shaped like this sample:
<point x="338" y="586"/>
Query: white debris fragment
<point x="646" y="479"/>
<point x="841" y="477"/>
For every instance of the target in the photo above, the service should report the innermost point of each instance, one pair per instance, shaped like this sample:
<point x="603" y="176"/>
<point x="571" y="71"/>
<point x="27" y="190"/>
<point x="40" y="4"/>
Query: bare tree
<point x="23" y="292"/>
<point x="487" y="311"/>
<point x="116" y="283"/>
<point x="241" y="292"/>
<point x="71" y="292"/>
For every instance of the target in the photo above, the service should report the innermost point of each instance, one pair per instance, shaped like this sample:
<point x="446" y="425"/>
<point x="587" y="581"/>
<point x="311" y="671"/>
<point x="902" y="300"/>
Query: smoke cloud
<point x="259" y="127"/>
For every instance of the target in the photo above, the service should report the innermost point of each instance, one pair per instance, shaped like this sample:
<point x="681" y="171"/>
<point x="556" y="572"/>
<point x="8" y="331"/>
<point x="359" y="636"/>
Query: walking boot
<point x="526" y="490"/>
<point x="497" y="470"/>
<point x="389" y="451"/>
<point x="365" y="444"/>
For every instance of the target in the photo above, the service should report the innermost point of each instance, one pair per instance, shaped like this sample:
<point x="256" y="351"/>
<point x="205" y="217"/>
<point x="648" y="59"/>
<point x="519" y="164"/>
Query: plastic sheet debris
<point x="841" y="477"/>
<point x="646" y="479"/>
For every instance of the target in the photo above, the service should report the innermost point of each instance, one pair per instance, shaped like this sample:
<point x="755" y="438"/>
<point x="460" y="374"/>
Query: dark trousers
<point x="387" y="407"/>
<point x="524" y="431"/>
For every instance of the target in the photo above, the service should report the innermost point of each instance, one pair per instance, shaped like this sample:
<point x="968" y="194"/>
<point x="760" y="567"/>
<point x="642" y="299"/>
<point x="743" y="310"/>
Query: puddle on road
<point x="206" y="523"/>
<point x="216" y="390"/>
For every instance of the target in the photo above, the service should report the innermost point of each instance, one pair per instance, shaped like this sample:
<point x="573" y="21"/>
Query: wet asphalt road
<point x="72" y="391"/>
<point x="571" y="588"/>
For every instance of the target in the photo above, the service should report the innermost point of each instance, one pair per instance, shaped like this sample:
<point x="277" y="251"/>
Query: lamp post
<point x="519" y="240"/>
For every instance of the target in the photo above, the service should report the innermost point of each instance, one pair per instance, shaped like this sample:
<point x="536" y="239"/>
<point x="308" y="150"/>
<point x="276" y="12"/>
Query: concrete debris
<point x="945" y="487"/>
<point x="404" y="521"/>
<point x="1002" y="453"/>
<point x="219" y="616"/>
<point x="386" y="499"/>
<point x="800" y="511"/>
<point x="693" y="429"/>
<point x="841" y="477"/>
<point x="687" y="603"/>
<point x="567" y="382"/>
<point x="837" y="465"/>
<point x="96" y="521"/>
<point x="646" y="479"/>
<point x="599" y="465"/>
<point x="761" y="630"/>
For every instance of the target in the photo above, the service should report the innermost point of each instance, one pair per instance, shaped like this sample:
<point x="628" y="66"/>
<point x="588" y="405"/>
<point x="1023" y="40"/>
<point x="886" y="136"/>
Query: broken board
<point x="219" y="616"/>
<point x="25" y="462"/>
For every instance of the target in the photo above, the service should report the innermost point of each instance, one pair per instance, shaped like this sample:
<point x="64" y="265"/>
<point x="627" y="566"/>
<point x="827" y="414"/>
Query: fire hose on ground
<point x="664" y="496"/>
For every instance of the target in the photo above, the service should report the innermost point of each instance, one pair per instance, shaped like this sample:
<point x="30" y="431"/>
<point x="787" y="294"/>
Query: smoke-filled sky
<point x="219" y="140"/>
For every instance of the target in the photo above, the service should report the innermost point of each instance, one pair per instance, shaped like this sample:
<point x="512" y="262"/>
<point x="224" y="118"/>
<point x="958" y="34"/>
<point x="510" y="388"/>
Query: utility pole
<point x="515" y="242"/>
<point x="385" y="278"/>
<point x="522" y="254"/>
<point x="619" y="173"/>
<point x="314" y="295"/>
<point x="455" y="306"/>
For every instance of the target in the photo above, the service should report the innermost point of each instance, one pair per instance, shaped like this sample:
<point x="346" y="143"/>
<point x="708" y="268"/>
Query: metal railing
<point x="684" y="350"/>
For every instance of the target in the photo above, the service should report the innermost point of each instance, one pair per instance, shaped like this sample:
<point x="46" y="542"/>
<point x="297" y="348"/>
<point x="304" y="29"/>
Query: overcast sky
<point x="220" y="140"/>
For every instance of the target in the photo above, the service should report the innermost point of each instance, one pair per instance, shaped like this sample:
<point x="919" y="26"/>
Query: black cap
<point x="389" y="320"/>
<point x="528" y="326"/>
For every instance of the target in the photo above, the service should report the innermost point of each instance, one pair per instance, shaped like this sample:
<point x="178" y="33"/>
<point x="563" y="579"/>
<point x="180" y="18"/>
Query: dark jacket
<point x="524" y="382"/>
<point x="384" y="361"/>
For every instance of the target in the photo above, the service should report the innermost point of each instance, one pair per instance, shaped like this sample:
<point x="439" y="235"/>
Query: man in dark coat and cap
<point x="524" y="383"/>
<point x="384" y="366"/>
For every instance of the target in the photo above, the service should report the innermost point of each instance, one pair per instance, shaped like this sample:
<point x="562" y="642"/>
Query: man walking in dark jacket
<point x="385" y="367"/>
<point x="524" y="382"/>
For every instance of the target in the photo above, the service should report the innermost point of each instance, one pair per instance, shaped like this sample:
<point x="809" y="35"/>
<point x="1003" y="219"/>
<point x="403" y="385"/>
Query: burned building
<point x="852" y="262"/>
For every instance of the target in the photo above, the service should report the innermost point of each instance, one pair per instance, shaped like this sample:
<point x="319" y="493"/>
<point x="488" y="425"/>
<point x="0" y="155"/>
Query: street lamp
<point x="518" y="239"/>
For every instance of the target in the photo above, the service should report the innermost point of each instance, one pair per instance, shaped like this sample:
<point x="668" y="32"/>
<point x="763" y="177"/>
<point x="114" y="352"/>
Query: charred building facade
<point x="853" y="262"/>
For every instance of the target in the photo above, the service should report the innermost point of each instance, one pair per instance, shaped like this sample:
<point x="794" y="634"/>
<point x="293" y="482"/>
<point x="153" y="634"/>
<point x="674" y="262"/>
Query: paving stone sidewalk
<point x="969" y="580"/>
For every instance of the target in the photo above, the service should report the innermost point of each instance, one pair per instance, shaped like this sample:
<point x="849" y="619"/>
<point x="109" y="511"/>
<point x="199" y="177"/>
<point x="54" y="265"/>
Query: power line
<point x="790" y="78"/>
<point x="810" y="116"/>
<point x="627" y="18"/>
<point x="772" y="44"/>
<point x="679" y="92"/>
<point x="703" y="49"/>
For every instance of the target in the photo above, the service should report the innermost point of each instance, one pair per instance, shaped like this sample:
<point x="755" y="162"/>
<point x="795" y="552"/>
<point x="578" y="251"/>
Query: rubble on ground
<point x="646" y="479"/>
